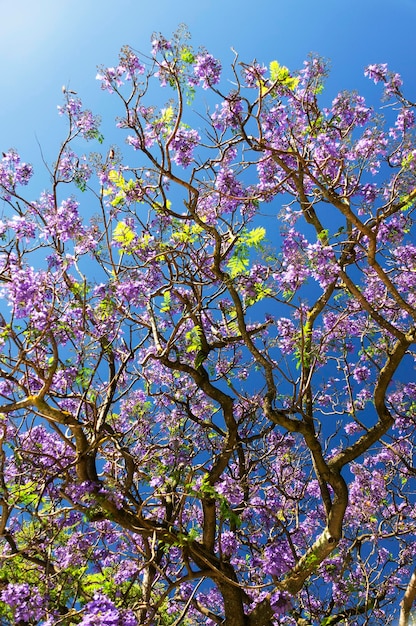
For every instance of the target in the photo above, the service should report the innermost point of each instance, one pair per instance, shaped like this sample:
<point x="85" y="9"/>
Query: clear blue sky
<point x="46" y="43"/>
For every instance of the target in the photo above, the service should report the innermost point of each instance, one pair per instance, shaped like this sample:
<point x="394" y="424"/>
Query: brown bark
<point x="407" y="602"/>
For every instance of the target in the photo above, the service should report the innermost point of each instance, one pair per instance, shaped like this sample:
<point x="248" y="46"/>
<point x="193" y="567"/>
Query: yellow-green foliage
<point x="123" y="235"/>
<point x="281" y="74"/>
<point x="240" y="261"/>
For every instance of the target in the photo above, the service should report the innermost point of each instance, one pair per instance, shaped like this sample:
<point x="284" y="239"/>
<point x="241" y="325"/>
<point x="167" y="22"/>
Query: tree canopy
<point x="208" y="404"/>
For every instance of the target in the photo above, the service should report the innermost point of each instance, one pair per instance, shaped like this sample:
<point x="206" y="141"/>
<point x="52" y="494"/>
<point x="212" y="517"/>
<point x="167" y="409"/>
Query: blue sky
<point x="46" y="43"/>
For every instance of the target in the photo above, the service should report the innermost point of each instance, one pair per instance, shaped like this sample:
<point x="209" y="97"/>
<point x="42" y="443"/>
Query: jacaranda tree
<point x="208" y="403"/>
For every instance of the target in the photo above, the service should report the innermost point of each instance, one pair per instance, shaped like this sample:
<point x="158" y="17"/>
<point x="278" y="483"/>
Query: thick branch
<point x="407" y="602"/>
<point x="385" y="420"/>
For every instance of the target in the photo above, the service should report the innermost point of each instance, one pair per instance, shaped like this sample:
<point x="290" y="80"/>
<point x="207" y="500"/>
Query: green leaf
<point x="407" y="160"/>
<point x="254" y="237"/>
<point x="199" y="359"/>
<point x="261" y="292"/>
<point x="24" y="494"/>
<point x="167" y="116"/>
<point x="186" y="233"/>
<point x="166" y="302"/>
<point x="187" y="56"/>
<point x="323" y="235"/>
<point x="117" y="179"/>
<point x="123" y="234"/>
<point x="275" y="70"/>
<point x="281" y="74"/>
<point x="408" y="200"/>
<point x="239" y="261"/>
<point x="237" y="265"/>
<point x="194" y="338"/>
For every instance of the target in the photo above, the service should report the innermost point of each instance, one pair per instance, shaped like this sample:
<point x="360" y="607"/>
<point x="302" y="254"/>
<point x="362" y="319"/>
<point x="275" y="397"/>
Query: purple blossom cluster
<point x="50" y="449"/>
<point x="101" y="611"/>
<point x="294" y="262"/>
<point x="361" y="373"/>
<point x="372" y="147"/>
<point x="111" y="78"/>
<point x="379" y="72"/>
<point x="71" y="167"/>
<point x="83" y="120"/>
<point x="29" y="293"/>
<point x="160" y="45"/>
<point x="230" y="189"/>
<point x="286" y="335"/>
<point x="63" y="221"/>
<point x="129" y="68"/>
<point x="228" y="114"/>
<point x="13" y="172"/>
<point x="253" y="74"/>
<point x="23" y="227"/>
<point x="277" y="559"/>
<point x="350" y="110"/>
<point x="405" y="120"/>
<point x="207" y="70"/>
<point x="322" y="263"/>
<point x="25" y="601"/>
<point x="183" y="144"/>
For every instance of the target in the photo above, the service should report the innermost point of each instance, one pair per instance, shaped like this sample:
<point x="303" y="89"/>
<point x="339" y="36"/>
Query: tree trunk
<point x="408" y="599"/>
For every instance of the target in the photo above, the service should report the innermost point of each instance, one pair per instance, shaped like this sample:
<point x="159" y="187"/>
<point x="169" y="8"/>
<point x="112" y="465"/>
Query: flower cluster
<point x="25" y="601"/>
<point x="228" y="115"/>
<point x="323" y="263"/>
<point x="100" y="611"/>
<point x="183" y="144"/>
<point x="376" y="72"/>
<point x="83" y="120"/>
<point x="63" y="221"/>
<point x="207" y="70"/>
<point x="129" y="68"/>
<point x="380" y="73"/>
<point x="13" y="172"/>
<point x="253" y="74"/>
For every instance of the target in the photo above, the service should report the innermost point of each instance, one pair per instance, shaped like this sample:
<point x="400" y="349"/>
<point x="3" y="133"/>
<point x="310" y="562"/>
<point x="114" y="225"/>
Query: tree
<point x="207" y="405"/>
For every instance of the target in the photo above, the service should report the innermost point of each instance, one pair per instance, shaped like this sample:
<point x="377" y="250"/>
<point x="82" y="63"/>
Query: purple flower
<point x="206" y="69"/>
<point x="323" y="263"/>
<point x="393" y="84"/>
<point x="253" y="74"/>
<point x="183" y="144"/>
<point x="126" y="570"/>
<point x="280" y="602"/>
<point x="230" y="188"/>
<point x="28" y="295"/>
<point x="23" y="228"/>
<point x="349" y="108"/>
<point x="377" y="72"/>
<point x="160" y="44"/>
<point x="294" y="264"/>
<point x="277" y="559"/>
<point x="231" y="490"/>
<point x="131" y="63"/>
<point x="101" y="611"/>
<point x="84" y="120"/>
<point x="352" y="427"/>
<point x="25" y="600"/>
<point x="405" y="119"/>
<point x="361" y="373"/>
<point x="110" y="78"/>
<point x="229" y="543"/>
<point x="228" y="115"/>
<point x="13" y="172"/>
<point x="286" y="333"/>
